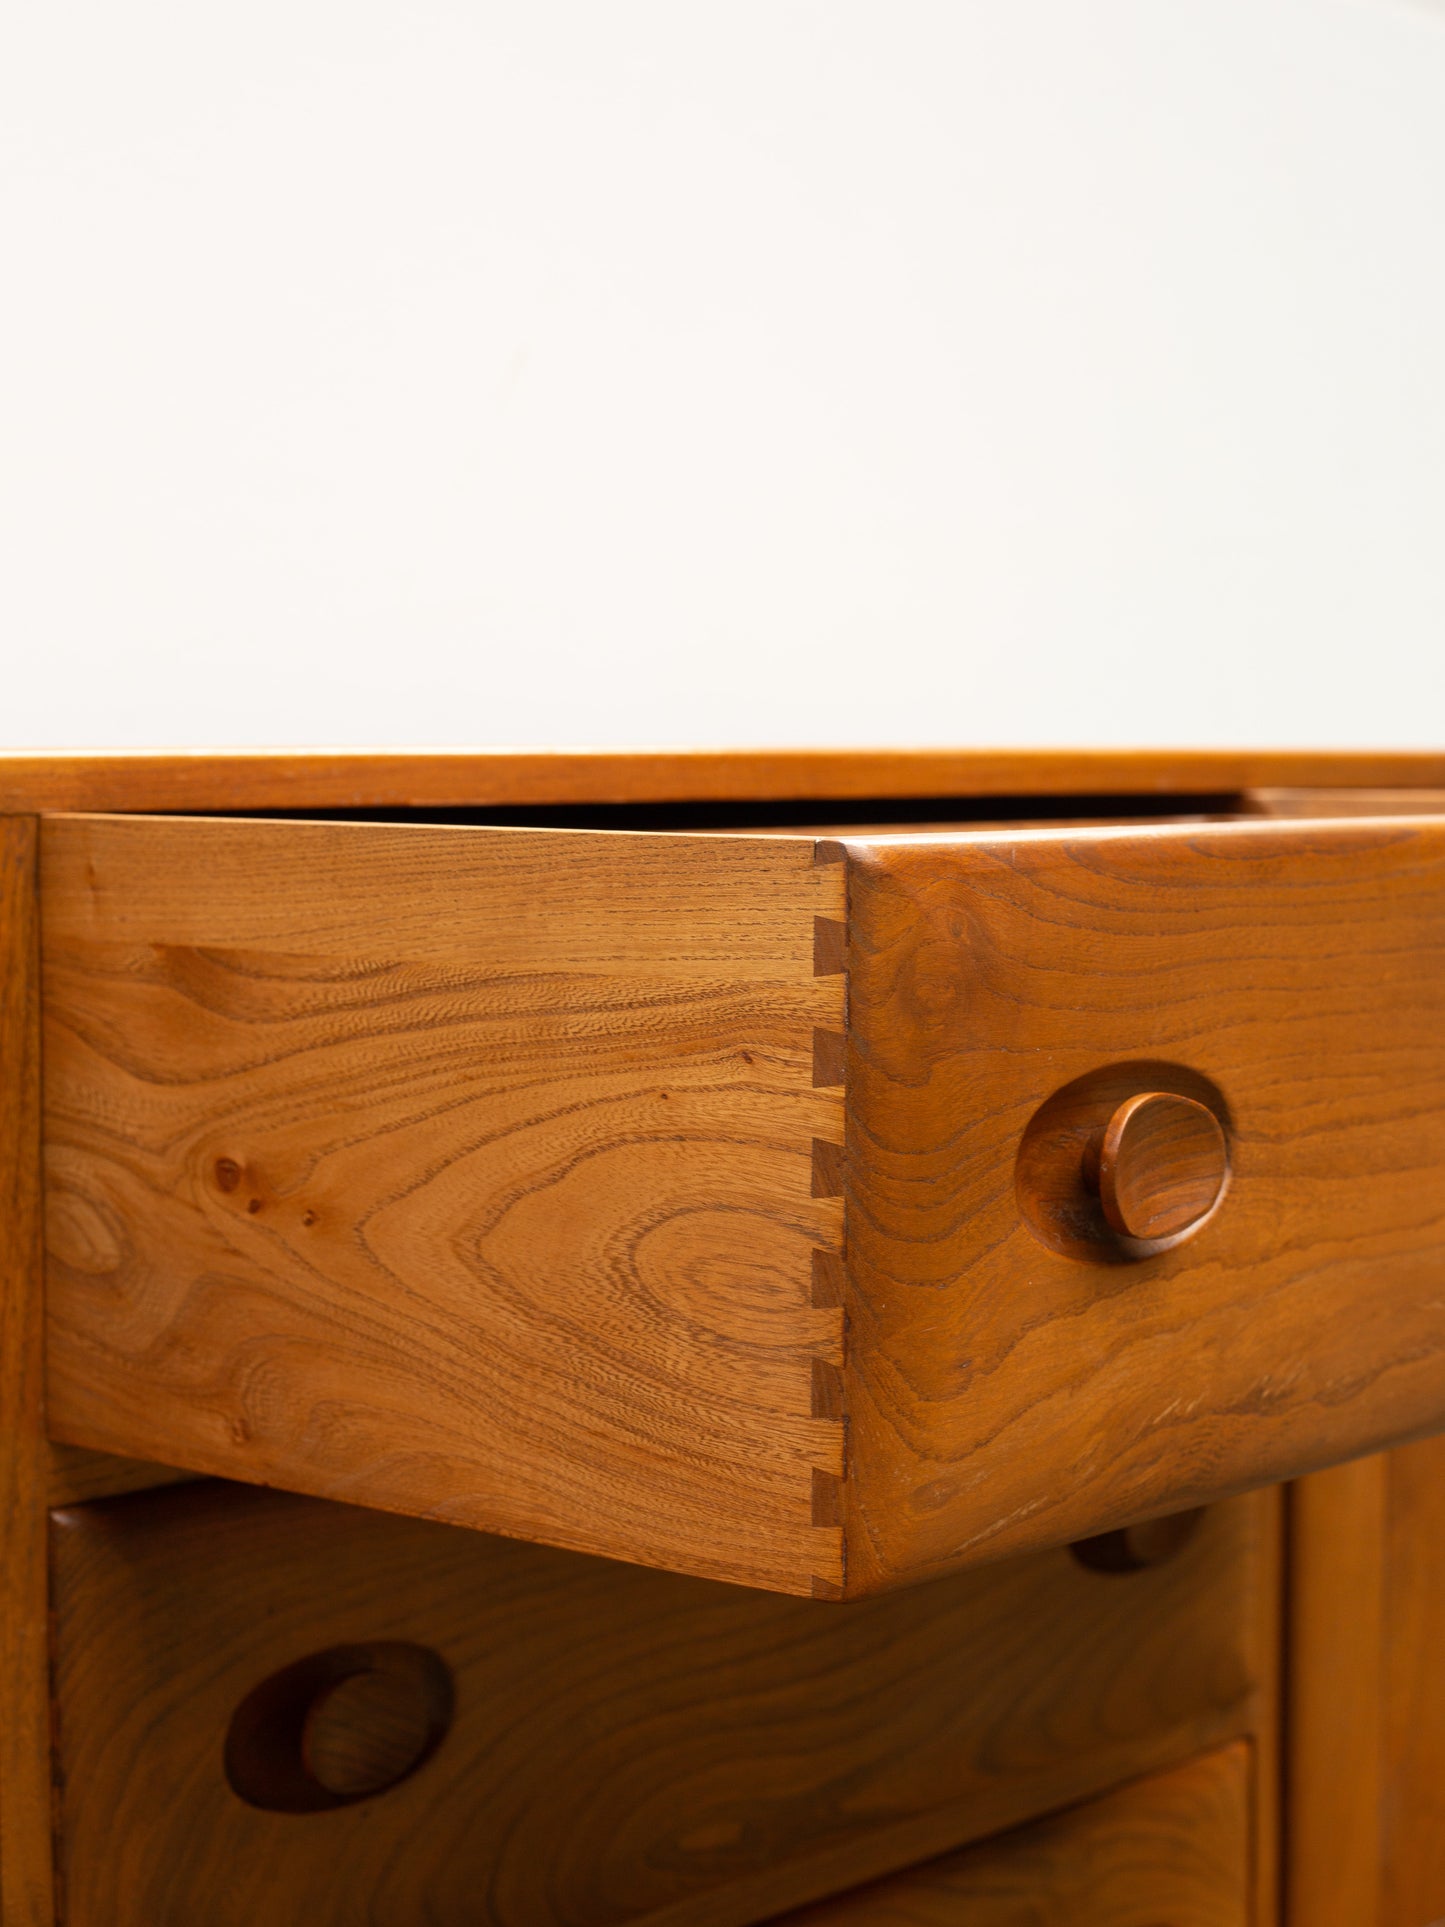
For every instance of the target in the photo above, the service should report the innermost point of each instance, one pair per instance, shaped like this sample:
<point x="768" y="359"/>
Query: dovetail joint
<point x="829" y="1058"/>
<point x="830" y="947"/>
<point x="827" y="1498"/>
<point x="827" y="1169"/>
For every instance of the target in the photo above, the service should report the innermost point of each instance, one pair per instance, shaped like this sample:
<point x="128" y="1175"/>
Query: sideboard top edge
<point x="228" y="780"/>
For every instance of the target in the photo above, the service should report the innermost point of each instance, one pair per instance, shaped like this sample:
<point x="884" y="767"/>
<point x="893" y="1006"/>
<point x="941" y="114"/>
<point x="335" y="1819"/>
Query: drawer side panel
<point x="463" y="1173"/>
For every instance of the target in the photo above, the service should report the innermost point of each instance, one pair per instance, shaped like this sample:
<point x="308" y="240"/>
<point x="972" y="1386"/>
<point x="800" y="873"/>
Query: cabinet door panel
<point x="1171" y="1849"/>
<point x="1365" y="1807"/>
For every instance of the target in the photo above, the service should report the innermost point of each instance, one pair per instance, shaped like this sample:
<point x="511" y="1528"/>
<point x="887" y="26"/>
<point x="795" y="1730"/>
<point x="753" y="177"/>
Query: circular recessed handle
<point x="338" y="1726"/>
<point x="367" y="1731"/>
<point x="1160" y="1165"/>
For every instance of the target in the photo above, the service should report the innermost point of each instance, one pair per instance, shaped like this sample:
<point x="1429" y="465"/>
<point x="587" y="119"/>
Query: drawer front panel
<point x="1019" y="1370"/>
<point x="1175" y="1848"/>
<point x="464" y="1173"/>
<point x="599" y="1743"/>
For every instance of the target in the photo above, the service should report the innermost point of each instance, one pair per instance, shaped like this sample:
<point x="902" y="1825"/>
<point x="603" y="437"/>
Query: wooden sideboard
<point x="830" y="1334"/>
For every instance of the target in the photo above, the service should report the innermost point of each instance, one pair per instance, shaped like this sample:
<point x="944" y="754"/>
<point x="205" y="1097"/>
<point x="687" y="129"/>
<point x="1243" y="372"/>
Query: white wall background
<point x="723" y="370"/>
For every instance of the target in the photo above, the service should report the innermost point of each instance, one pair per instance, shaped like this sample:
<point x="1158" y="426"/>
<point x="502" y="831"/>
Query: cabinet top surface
<point x="311" y="779"/>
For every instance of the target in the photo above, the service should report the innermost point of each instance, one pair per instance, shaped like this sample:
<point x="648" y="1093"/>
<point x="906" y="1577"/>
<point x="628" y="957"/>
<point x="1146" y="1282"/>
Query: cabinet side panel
<point x="26" y="1881"/>
<point x="457" y="1172"/>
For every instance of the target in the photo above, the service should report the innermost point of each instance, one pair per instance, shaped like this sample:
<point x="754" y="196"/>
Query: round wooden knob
<point x="1161" y="1165"/>
<point x="365" y="1732"/>
<point x="1136" y="1548"/>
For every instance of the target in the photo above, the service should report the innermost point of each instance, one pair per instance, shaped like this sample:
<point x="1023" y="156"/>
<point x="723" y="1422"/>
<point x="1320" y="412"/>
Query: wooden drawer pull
<point x="1124" y="1162"/>
<point x="1136" y="1548"/>
<point x="339" y="1726"/>
<point x="1161" y="1165"/>
<point x="367" y="1731"/>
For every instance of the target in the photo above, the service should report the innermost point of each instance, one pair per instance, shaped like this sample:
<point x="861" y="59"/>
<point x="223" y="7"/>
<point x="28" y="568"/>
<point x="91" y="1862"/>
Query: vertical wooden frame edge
<point x="27" y="1889"/>
<point x="1266" y="1790"/>
<point x="1333" y="1684"/>
<point x="828" y="1285"/>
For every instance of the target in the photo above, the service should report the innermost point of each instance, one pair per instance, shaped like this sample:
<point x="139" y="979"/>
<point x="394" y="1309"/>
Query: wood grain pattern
<point x="263" y="780"/>
<point x="468" y="1173"/>
<point x="26" y="1882"/>
<point x="1173" y="1848"/>
<point x="626" y="1744"/>
<point x="1000" y="1393"/>
<point x="1365" y="1822"/>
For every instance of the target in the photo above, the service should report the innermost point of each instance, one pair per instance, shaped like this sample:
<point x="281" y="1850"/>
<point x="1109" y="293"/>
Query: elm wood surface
<point x="26" y="1886"/>
<point x="1365" y="1814"/>
<point x="466" y="1173"/>
<point x="224" y="779"/>
<point x="626" y="1744"/>
<point x="1173" y="1848"/>
<point x="1000" y="1392"/>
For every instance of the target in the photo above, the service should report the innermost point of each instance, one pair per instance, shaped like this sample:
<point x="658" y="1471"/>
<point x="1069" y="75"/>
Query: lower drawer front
<point x="1172" y="1848"/>
<point x="286" y="1710"/>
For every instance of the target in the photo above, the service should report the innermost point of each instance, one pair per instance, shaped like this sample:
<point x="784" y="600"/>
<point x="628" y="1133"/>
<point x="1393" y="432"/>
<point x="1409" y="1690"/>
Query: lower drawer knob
<point x="366" y="1732"/>
<point x="1137" y="1548"/>
<point x="1161" y="1165"/>
<point x="338" y="1726"/>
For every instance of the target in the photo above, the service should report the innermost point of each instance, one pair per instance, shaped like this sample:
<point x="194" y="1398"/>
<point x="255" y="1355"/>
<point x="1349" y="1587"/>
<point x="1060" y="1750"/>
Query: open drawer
<point x="783" y="1209"/>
